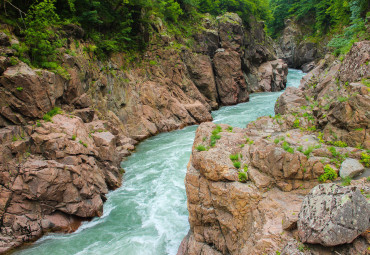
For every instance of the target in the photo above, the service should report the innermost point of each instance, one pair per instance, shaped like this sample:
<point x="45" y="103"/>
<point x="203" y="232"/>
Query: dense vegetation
<point x="113" y="25"/>
<point x="123" y="25"/>
<point x="344" y="20"/>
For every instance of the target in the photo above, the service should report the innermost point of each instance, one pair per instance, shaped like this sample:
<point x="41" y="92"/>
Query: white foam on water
<point x="148" y="214"/>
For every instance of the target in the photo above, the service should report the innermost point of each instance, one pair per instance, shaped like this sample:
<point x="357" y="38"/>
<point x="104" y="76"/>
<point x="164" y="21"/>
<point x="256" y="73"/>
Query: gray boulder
<point x="332" y="215"/>
<point x="351" y="168"/>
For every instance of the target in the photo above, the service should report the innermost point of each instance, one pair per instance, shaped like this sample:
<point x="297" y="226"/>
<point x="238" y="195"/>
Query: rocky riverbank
<point x="257" y="190"/>
<point x="63" y="136"/>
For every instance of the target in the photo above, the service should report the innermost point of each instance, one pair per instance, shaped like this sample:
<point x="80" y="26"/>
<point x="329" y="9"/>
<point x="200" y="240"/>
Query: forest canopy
<point x="119" y="25"/>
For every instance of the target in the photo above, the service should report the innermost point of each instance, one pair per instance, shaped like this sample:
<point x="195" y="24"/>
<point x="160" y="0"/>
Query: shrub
<point x="242" y="177"/>
<point x="237" y="164"/>
<point x="342" y="99"/>
<point x="234" y="157"/>
<point x="339" y="144"/>
<point x="286" y="147"/>
<point x="74" y="137"/>
<point x="329" y="174"/>
<point x="229" y="129"/>
<point x="296" y="123"/>
<point x="215" y="135"/>
<point x="308" y="151"/>
<point x="201" y="147"/>
<point x="365" y="159"/>
<point x="48" y="116"/>
<point x="277" y="140"/>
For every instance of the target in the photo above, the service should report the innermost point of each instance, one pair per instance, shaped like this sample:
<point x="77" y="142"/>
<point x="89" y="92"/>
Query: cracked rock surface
<point x="331" y="215"/>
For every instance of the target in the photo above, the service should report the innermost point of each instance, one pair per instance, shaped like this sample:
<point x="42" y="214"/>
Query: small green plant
<point x="346" y="181"/>
<point x="339" y="144"/>
<point x="229" y="129"/>
<point x="215" y="135"/>
<point x="242" y="176"/>
<point x="20" y="89"/>
<point x="201" y="147"/>
<point x="84" y="144"/>
<point x="342" y="99"/>
<point x="153" y="63"/>
<point x="48" y="116"/>
<point x="74" y="137"/>
<point x="329" y="174"/>
<point x="308" y="151"/>
<point x="234" y="157"/>
<point x="277" y="140"/>
<point x="365" y="159"/>
<point x="237" y="164"/>
<point x="300" y="149"/>
<point x="13" y="61"/>
<point x="38" y="124"/>
<point x="296" y="123"/>
<point x="286" y="147"/>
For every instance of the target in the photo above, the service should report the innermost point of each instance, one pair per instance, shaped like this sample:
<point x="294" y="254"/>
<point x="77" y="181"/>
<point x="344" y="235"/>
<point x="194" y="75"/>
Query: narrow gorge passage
<point x="148" y="214"/>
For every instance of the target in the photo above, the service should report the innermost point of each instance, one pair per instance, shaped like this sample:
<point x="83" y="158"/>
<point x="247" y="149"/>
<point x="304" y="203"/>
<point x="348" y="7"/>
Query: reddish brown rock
<point x="231" y="86"/>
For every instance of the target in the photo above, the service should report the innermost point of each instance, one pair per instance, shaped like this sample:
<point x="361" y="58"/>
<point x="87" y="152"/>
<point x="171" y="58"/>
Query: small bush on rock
<point x="329" y="174"/>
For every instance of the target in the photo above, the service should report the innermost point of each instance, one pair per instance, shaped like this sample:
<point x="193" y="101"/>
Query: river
<point x="148" y="214"/>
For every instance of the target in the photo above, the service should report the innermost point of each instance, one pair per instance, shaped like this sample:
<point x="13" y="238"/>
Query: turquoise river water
<point x="148" y="214"/>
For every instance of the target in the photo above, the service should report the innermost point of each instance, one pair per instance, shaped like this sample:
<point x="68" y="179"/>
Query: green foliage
<point x="242" y="177"/>
<point x="48" y="116"/>
<point x="201" y="147"/>
<point x="346" y="181"/>
<point x="329" y="174"/>
<point x="277" y="140"/>
<point x="365" y="159"/>
<point x="296" y="123"/>
<point x="237" y="164"/>
<point x="19" y="89"/>
<point x="286" y="147"/>
<point x="234" y="157"/>
<point x="244" y="8"/>
<point x="39" y="34"/>
<point x="342" y="99"/>
<point x="229" y="129"/>
<point x="83" y="144"/>
<point x="308" y="151"/>
<point x="215" y="135"/>
<point x="74" y="137"/>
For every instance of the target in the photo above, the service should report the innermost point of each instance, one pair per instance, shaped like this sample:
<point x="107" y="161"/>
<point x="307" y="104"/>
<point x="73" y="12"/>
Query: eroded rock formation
<point x="248" y="192"/>
<point x="55" y="171"/>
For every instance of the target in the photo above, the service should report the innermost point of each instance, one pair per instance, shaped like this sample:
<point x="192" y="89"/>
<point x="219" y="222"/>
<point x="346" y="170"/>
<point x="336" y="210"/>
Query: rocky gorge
<point x="252" y="190"/>
<point x="257" y="190"/>
<point x="63" y="136"/>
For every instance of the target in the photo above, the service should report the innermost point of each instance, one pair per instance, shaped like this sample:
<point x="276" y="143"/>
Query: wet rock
<point x="351" y="168"/>
<point x="333" y="215"/>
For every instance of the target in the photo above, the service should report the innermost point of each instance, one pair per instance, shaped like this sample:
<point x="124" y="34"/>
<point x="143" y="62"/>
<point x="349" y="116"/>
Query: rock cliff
<point x="250" y="191"/>
<point x="297" y="51"/>
<point x="64" y="135"/>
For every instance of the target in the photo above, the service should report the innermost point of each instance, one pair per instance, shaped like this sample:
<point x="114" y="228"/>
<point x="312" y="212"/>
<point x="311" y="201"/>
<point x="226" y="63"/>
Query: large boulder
<point x="351" y="168"/>
<point x="231" y="85"/>
<point x="332" y="215"/>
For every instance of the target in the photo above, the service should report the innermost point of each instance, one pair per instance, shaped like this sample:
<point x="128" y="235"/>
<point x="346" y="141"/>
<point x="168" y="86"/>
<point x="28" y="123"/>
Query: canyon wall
<point x="256" y="190"/>
<point x="57" y="164"/>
